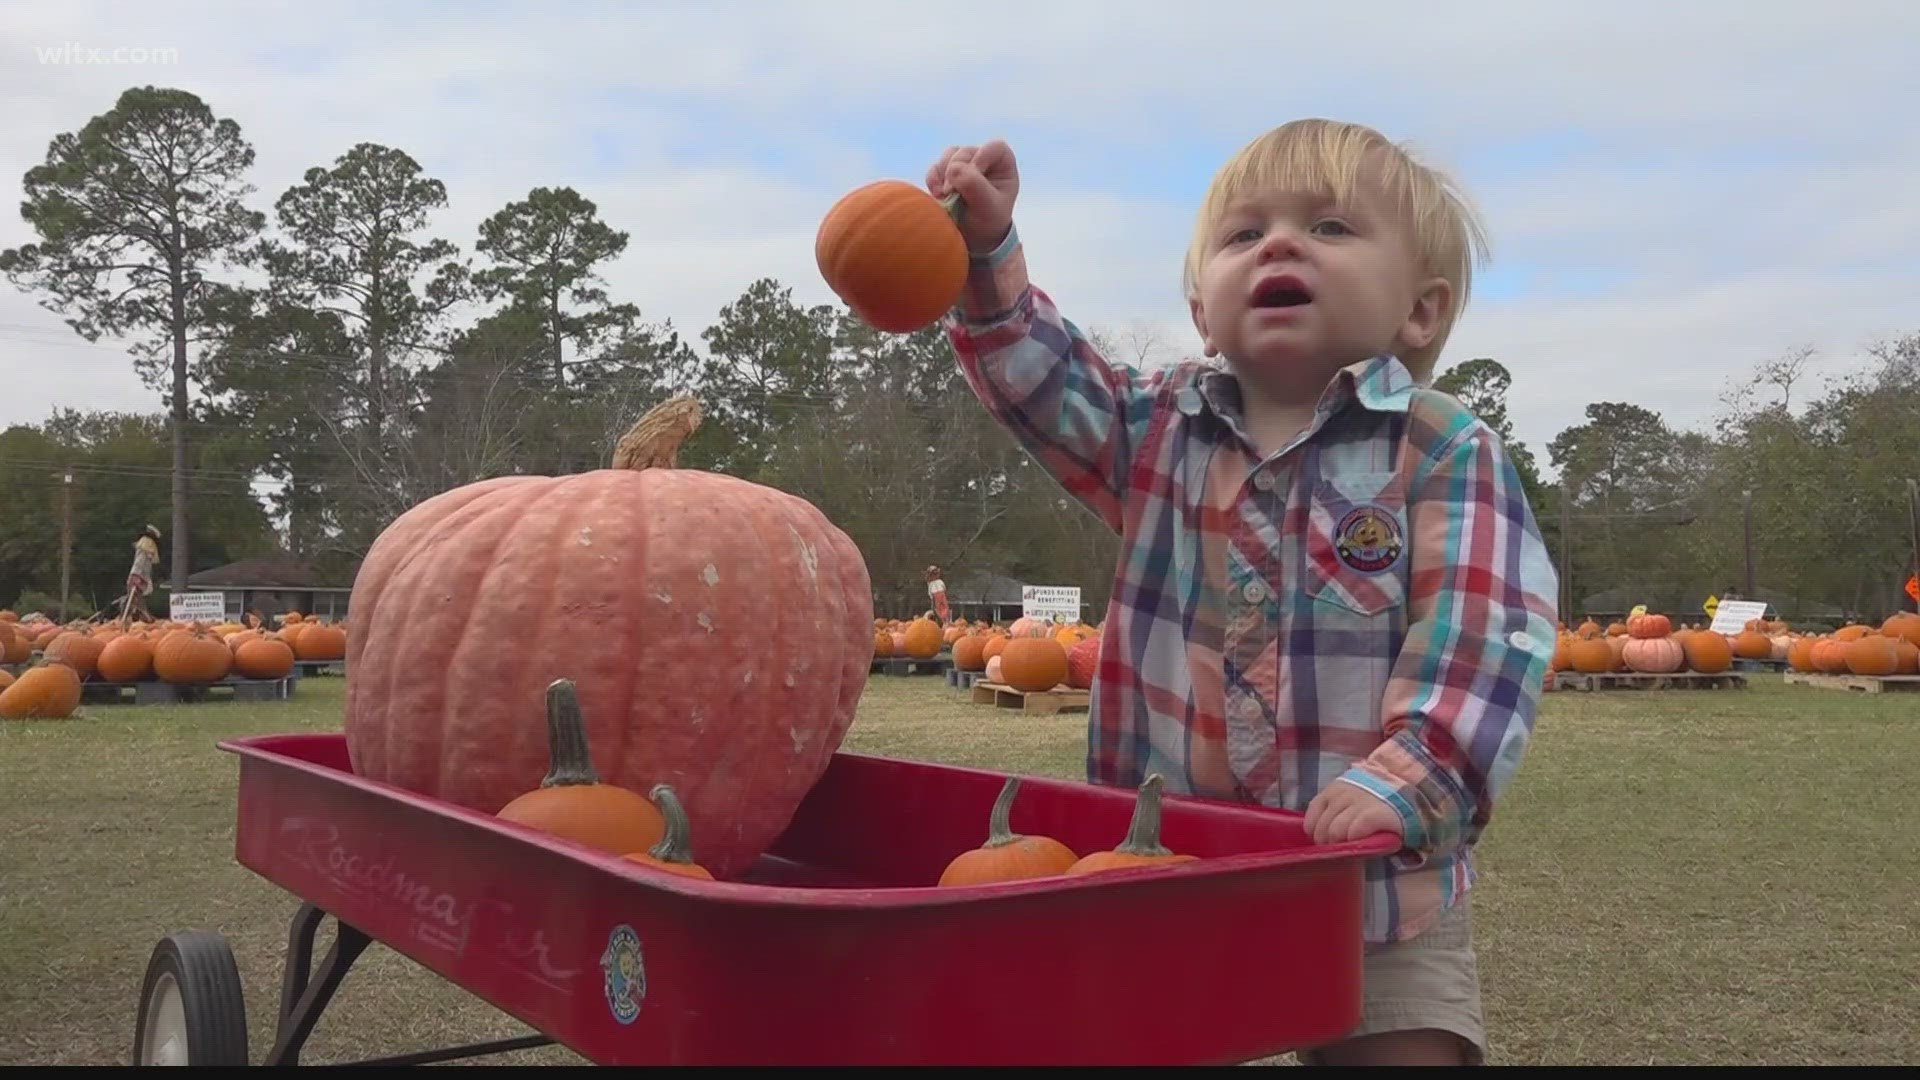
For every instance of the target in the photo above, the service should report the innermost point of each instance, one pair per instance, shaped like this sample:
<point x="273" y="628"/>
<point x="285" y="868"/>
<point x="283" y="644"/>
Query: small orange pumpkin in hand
<point x="894" y="254"/>
<point x="1007" y="855"/>
<point x="673" y="853"/>
<point x="1142" y="846"/>
<point x="572" y="802"/>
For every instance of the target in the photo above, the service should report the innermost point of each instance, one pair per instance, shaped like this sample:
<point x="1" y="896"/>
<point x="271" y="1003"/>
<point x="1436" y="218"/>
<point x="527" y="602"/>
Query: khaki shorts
<point x="1431" y="981"/>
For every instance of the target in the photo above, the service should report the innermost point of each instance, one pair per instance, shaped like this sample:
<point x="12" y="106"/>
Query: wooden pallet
<point x="1859" y="684"/>
<point x="964" y="680"/>
<point x="907" y="665"/>
<point x="1639" y="680"/>
<point x="156" y="692"/>
<point x="1032" y="702"/>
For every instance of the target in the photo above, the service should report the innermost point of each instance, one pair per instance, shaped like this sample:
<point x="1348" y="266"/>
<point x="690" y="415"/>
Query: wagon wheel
<point x="192" y="1011"/>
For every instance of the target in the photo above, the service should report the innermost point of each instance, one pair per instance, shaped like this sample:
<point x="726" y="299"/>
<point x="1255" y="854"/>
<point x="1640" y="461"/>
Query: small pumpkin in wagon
<point x="673" y="852"/>
<point x="572" y="802"/>
<point x="1007" y="855"/>
<point x="1142" y="846"/>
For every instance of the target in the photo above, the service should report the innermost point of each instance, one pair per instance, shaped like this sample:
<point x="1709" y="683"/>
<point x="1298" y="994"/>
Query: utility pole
<point x="1566" y="552"/>
<point x="66" y="538"/>
<point x="1913" y="524"/>
<point x="1746" y="496"/>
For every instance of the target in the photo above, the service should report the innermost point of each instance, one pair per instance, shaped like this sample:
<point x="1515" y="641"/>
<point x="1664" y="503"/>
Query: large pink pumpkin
<point x="718" y="633"/>
<point x="1658" y="656"/>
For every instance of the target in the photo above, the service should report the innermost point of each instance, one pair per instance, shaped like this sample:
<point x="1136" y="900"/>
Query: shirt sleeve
<point x="1081" y="415"/>
<point x="1461" y="701"/>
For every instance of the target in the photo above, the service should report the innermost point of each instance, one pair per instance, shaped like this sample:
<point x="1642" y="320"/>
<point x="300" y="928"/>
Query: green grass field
<point x="1713" y="877"/>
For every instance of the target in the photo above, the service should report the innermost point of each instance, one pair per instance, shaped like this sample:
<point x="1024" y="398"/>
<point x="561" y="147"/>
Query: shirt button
<point x="1254" y="592"/>
<point x="1263" y="480"/>
<point x="1188" y="401"/>
<point x="1520" y="639"/>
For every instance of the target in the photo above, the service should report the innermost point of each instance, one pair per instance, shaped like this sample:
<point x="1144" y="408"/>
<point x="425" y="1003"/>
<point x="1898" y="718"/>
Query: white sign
<point x="197" y="607"/>
<point x="1054" y="603"/>
<point x="1731" y="616"/>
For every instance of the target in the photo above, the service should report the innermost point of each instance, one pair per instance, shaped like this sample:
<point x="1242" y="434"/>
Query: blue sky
<point x="1674" y="192"/>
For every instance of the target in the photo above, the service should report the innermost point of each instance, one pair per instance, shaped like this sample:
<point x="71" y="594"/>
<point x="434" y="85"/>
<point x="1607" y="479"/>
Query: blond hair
<point x="1329" y="158"/>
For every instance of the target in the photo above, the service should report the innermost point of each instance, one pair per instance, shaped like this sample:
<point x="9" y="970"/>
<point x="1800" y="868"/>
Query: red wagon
<point x="837" y="949"/>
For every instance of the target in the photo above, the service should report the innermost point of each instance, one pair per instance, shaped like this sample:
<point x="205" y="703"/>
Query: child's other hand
<point x="987" y="181"/>
<point x="1344" y="812"/>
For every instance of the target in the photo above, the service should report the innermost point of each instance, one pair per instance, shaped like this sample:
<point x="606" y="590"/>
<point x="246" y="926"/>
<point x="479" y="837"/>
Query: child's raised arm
<point x="1460" y="702"/>
<point x="1080" y="414"/>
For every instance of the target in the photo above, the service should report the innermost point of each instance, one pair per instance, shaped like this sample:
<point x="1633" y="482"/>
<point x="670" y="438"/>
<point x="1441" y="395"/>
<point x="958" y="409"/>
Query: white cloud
<point x="1678" y="187"/>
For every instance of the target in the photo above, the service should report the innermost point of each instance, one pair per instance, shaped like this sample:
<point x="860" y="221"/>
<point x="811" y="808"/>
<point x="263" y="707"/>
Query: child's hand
<point x="1343" y="812"/>
<point x="987" y="181"/>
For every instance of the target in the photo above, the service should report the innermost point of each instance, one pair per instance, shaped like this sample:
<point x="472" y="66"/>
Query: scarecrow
<point x="146" y="554"/>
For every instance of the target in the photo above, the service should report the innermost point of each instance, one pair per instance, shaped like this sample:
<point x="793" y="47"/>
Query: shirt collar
<point x="1382" y="384"/>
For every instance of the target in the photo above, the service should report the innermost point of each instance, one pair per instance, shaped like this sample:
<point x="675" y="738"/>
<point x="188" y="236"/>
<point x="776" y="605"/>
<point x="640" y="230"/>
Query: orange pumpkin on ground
<point x="1007" y="855"/>
<point x="673" y="853"/>
<point x="970" y="652"/>
<point x="1908" y="654"/>
<point x="1034" y="664"/>
<point x="263" y="658"/>
<point x="1142" y="847"/>
<point x="1800" y="654"/>
<point x="81" y="652"/>
<point x="1649" y="626"/>
<point x="46" y="692"/>
<point x="1709" y="653"/>
<point x="922" y="638"/>
<point x="127" y="658"/>
<point x="192" y="657"/>
<point x="1872" y="655"/>
<point x="1830" y="655"/>
<point x="893" y="253"/>
<point x="1590" y="655"/>
<point x="571" y="801"/>
<point x="319" y="641"/>
<point x="645" y="584"/>
<point x="1752" y="645"/>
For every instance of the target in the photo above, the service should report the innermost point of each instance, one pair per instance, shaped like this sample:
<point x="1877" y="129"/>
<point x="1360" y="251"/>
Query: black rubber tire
<point x="212" y="1001"/>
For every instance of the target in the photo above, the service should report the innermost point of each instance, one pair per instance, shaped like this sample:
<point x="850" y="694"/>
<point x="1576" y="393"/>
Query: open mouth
<point x="1281" y="292"/>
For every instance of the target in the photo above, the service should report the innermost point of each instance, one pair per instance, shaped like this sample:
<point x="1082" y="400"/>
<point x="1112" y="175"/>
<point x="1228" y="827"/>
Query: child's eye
<point x="1240" y="235"/>
<point x="1340" y="227"/>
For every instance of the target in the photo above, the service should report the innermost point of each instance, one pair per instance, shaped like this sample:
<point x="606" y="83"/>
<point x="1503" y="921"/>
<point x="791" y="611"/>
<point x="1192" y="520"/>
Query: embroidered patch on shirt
<point x="1368" y="539"/>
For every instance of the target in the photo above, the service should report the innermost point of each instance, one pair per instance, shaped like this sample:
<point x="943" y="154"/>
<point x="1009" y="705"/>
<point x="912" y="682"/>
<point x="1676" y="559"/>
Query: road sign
<point x="1712" y="602"/>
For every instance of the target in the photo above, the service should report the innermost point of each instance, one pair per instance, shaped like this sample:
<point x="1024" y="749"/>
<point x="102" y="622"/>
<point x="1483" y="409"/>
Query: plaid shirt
<point x="1371" y="604"/>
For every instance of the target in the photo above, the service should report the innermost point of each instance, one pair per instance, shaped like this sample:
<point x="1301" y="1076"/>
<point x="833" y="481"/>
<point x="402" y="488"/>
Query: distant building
<point x="275" y="584"/>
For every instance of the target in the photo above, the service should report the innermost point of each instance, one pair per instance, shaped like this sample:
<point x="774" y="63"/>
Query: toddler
<point x="1332" y="596"/>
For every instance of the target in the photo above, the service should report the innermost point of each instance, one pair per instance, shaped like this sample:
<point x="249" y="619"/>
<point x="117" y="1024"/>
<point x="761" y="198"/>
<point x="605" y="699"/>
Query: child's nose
<point x="1282" y="242"/>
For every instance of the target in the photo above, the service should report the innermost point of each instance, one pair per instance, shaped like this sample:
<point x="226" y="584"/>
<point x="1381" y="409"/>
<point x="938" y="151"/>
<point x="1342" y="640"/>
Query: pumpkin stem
<point x="1143" y="833"/>
<point x="572" y="762"/>
<point x="950" y="202"/>
<point x="673" y="846"/>
<point x="653" y="442"/>
<point x="1000" y="823"/>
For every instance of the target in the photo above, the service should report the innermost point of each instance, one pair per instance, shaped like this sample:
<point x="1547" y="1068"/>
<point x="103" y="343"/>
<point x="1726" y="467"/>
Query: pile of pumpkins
<point x="174" y="652"/>
<point x="1030" y="655"/>
<point x="1649" y="644"/>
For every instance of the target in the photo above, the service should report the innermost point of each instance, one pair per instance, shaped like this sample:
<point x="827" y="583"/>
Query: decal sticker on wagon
<point x="626" y="974"/>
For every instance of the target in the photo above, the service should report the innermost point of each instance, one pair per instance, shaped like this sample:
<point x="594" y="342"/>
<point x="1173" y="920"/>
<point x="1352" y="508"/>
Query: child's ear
<point x="1200" y="324"/>
<point x="1432" y="301"/>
